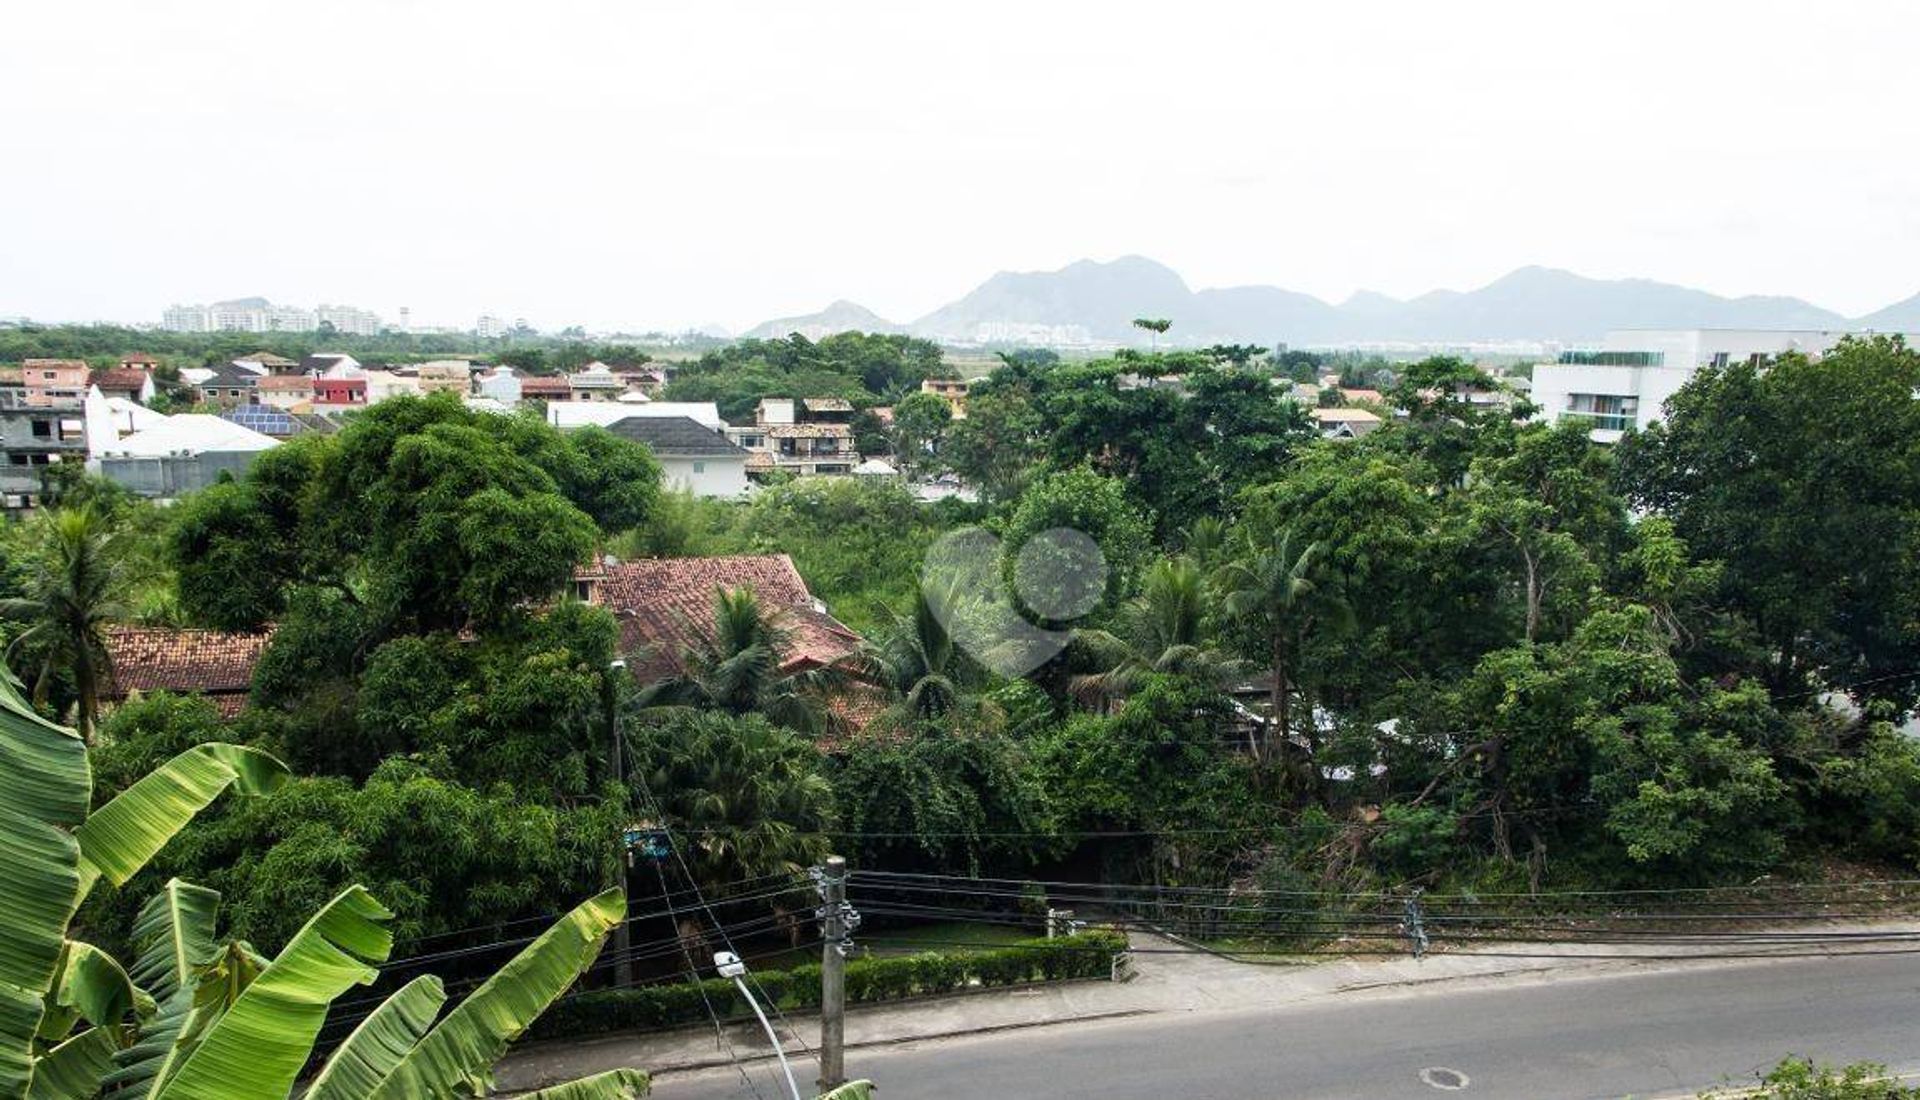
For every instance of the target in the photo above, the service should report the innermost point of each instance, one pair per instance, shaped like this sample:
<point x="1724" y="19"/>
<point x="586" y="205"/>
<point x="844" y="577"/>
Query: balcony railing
<point x="1613" y="422"/>
<point x="1613" y="358"/>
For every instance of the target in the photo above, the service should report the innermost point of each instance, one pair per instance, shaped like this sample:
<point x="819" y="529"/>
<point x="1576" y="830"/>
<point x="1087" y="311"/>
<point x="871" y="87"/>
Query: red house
<point x="340" y="392"/>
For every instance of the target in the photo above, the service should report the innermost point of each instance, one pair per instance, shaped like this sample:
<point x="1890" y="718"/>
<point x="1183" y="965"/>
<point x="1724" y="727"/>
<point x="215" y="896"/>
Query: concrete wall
<point x="718" y="476"/>
<point x="170" y="476"/>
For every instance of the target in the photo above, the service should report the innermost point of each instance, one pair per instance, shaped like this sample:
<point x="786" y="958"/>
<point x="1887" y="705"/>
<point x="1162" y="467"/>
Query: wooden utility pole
<point x="833" y="975"/>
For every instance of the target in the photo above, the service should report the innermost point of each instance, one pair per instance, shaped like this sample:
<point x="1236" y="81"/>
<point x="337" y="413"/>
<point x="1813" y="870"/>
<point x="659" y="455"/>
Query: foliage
<point x="748" y="795"/>
<point x="869" y="980"/>
<point x="74" y="588"/>
<point x="942" y="797"/>
<point x="1802" y="477"/>
<point x="1053" y="575"/>
<point x="1805" y="1079"/>
<point x="428" y="514"/>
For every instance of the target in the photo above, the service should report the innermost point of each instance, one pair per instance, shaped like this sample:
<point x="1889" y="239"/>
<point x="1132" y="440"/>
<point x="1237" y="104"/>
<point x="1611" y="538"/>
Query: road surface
<point x="1639" y="1033"/>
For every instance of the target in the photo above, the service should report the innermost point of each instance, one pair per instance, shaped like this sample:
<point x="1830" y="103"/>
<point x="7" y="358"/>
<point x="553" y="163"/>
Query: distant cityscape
<point x="262" y="316"/>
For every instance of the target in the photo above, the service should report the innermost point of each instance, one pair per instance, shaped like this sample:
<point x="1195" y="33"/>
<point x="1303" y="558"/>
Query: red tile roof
<point x="664" y="605"/>
<point x="121" y="380"/>
<point x="186" y="662"/>
<point x="551" y="387"/>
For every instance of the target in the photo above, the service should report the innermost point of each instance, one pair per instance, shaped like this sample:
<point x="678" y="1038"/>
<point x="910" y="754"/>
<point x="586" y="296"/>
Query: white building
<point x="1624" y="383"/>
<point x="500" y="384"/>
<point x="349" y="320"/>
<point x="693" y="457"/>
<point x="186" y="319"/>
<point x="489" y="327"/>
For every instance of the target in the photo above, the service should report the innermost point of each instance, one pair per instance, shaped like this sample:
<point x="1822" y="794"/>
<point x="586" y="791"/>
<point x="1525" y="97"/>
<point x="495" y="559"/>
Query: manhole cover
<point x="1447" y="1080"/>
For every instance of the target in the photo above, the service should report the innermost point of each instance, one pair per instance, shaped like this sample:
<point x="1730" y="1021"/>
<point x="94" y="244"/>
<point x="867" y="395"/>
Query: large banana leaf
<point x="44" y="791"/>
<point x="380" y="1042"/>
<point x="456" y="1058"/>
<point x="174" y="935"/>
<point x="615" y="1084"/>
<point x="91" y="987"/>
<point x="72" y="1070"/>
<point x="260" y="1044"/>
<point x="119" y="838"/>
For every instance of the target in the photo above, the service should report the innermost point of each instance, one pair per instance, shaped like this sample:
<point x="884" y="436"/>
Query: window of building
<point x="17" y="459"/>
<point x="43" y="429"/>
<point x="699" y="467"/>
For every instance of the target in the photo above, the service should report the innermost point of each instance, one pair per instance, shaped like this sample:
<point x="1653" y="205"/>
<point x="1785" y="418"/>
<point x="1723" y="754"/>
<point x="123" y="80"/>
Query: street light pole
<point x="617" y="768"/>
<point x="731" y="967"/>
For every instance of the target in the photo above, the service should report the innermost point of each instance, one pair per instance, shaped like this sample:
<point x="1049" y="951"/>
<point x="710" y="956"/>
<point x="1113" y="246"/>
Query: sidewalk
<point x="1169" y="978"/>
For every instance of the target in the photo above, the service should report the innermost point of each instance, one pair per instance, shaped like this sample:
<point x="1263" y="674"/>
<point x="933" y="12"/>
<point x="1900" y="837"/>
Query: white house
<point x="501" y="384"/>
<point x="1624" y="383"/>
<point x="692" y="456"/>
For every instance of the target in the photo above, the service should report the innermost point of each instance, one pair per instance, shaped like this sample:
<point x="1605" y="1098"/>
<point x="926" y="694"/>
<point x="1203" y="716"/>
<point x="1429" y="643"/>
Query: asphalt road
<point x="1640" y="1033"/>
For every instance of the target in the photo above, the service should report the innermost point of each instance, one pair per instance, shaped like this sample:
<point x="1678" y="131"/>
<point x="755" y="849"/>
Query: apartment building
<point x="1623" y="384"/>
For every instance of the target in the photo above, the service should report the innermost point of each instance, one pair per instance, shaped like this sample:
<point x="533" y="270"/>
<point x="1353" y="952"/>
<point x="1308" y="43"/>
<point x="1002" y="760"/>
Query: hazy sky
<point x="642" y="164"/>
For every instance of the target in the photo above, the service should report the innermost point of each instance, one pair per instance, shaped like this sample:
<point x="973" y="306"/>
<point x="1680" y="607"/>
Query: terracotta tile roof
<point x="664" y="605"/>
<point x="53" y="364"/>
<point x="122" y="380"/>
<point x="138" y="358"/>
<point x="285" y="383"/>
<point x="537" y="386"/>
<point x="759" y="460"/>
<point x="187" y="662"/>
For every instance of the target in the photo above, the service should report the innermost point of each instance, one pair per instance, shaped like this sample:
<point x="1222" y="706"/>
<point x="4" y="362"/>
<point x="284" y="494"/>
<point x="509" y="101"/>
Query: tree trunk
<point x="1533" y="593"/>
<point x="1282" y="705"/>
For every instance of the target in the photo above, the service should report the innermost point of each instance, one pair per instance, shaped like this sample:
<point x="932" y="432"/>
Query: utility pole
<point x="617" y="771"/>
<point x="835" y="927"/>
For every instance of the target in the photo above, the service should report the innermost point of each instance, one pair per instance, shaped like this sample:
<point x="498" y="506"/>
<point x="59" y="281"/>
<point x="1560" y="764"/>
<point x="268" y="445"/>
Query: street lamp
<point x="730" y="966"/>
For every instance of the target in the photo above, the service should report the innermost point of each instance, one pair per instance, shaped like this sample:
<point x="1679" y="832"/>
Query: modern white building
<point x="1624" y="383"/>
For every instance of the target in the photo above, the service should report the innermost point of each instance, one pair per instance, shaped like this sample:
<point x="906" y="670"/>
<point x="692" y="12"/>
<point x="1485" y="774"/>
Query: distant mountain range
<point x="1534" y="303"/>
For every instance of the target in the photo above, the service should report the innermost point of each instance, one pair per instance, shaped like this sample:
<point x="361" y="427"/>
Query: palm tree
<point x="1273" y="588"/>
<point x="73" y="593"/>
<point x="918" y="662"/>
<point x="1167" y="625"/>
<point x="735" y="666"/>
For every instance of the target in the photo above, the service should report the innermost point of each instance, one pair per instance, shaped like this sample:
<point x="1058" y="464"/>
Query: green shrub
<point x="1803" y="1079"/>
<point x="869" y="981"/>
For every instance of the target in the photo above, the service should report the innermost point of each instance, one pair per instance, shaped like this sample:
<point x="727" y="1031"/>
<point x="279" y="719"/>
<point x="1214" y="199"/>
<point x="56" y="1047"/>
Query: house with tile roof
<point x="665" y="605"/>
<point x="692" y="456"/>
<point x="209" y="663"/>
<point x="131" y="383"/>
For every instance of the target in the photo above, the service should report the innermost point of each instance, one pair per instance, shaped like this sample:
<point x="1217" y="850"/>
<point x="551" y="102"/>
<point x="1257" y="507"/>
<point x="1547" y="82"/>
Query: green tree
<point x="1273" y="589"/>
<point x="1060" y="577"/>
<point x="1814" y="516"/>
<point x="746" y="797"/>
<point x="73" y="591"/>
<point x="1158" y="326"/>
<point x="920" y="423"/>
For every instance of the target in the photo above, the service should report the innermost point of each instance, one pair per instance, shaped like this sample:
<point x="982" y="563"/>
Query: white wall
<point x="718" y="476"/>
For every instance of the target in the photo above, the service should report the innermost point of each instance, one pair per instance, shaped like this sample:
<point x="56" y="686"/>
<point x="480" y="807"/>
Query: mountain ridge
<point x="1533" y="302"/>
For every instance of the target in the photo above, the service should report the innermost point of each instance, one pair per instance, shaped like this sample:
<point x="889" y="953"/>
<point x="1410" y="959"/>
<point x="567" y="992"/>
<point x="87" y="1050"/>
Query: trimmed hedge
<point x="869" y="981"/>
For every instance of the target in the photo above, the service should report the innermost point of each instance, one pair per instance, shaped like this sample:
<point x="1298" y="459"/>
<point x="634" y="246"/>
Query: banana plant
<point x="196" y="1019"/>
